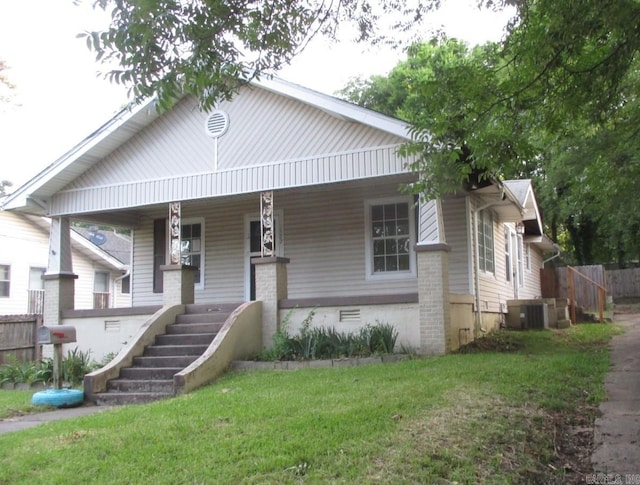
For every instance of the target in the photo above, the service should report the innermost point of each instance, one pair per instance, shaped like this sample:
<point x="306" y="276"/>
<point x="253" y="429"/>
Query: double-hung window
<point x="390" y="238"/>
<point x="5" y="280"/>
<point x="192" y="251"/>
<point x="486" y="260"/>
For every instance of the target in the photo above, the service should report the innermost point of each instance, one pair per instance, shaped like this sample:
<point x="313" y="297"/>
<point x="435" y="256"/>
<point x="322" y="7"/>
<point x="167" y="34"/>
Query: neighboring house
<point x="24" y="249"/>
<point x="316" y="181"/>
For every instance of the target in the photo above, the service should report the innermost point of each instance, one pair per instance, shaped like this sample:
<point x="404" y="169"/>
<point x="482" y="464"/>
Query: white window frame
<point x="481" y="245"/>
<point x="527" y="256"/>
<point x="198" y="285"/>
<point x="8" y="281"/>
<point x="391" y="275"/>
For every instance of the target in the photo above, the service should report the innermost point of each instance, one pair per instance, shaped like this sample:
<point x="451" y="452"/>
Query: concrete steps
<point x="150" y="378"/>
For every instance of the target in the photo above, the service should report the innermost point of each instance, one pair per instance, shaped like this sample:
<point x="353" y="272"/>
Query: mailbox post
<point x="58" y="335"/>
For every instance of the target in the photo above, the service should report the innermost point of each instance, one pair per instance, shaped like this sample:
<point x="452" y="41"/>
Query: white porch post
<point x="432" y="253"/>
<point x="178" y="279"/>
<point x="270" y="272"/>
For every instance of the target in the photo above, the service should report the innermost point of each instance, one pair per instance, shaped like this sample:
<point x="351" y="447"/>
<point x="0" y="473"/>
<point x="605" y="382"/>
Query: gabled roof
<point x="515" y="202"/>
<point x="32" y="197"/>
<point x="79" y="243"/>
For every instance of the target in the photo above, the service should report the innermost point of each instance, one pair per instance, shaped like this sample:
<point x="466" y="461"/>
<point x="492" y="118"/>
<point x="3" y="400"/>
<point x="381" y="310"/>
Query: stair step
<point x="217" y="317"/>
<point x="196" y="327"/>
<point x="120" y="398"/>
<point x="185" y="339"/>
<point x="211" y="308"/>
<point x="173" y="350"/>
<point x="139" y="373"/>
<point x="181" y="361"/>
<point x="140" y="385"/>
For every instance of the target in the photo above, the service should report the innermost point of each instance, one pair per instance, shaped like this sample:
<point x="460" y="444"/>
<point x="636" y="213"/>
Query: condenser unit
<point x="534" y="316"/>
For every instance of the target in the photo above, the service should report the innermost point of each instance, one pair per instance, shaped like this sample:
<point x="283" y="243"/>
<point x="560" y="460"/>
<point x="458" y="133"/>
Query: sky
<point x="60" y="97"/>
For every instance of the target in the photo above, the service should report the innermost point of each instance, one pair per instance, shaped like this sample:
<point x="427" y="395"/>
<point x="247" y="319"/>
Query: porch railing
<point x="100" y="300"/>
<point x="35" y="302"/>
<point x="572" y="273"/>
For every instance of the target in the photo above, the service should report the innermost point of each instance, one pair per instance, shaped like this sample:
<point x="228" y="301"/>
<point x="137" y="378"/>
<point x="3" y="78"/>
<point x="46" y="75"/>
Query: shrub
<point x="326" y="342"/>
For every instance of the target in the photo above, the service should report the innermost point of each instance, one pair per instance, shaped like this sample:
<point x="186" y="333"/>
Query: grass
<point x="481" y="416"/>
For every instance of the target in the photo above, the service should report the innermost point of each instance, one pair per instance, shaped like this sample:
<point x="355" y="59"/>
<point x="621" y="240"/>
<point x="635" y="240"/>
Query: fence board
<point x="555" y="284"/>
<point x="18" y="335"/>
<point x="624" y="283"/>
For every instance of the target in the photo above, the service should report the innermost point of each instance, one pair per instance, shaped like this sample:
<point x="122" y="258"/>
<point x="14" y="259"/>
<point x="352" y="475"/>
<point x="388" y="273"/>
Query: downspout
<point x="552" y="257"/>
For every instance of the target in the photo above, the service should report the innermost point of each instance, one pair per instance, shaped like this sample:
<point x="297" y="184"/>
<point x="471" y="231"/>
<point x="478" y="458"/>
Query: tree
<point x="210" y="47"/>
<point x="6" y="86"/>
<point x="585" y="168"/>
<point x="557" y="99"/>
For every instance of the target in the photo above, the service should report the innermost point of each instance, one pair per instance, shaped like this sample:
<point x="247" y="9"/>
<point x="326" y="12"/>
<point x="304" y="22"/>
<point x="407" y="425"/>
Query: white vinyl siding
<point x="176" y="143"/>
<point x="457" y="228"/>
<point x="28" y="243"/>
<point x="532" y="281"/>
<point x="323" y="237"/>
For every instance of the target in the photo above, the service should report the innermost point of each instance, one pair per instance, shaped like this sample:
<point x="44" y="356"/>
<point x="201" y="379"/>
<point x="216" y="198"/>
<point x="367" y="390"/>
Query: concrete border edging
<point x="248" y="365"/>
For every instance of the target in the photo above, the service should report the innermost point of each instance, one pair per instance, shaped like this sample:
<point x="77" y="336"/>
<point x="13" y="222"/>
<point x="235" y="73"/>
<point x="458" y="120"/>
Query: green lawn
<point x="486" y="416"/>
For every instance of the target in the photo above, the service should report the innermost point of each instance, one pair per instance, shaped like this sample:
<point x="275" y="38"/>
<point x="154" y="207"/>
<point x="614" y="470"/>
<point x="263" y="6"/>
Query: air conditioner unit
<point x="534" y="316"/>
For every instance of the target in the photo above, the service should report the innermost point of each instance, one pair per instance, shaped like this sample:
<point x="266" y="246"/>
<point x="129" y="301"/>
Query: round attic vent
<point x="217" y="124"/>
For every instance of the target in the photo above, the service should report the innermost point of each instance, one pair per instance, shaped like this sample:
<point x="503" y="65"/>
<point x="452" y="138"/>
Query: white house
<point x="24" y="251"/>
<point x="292" y="198"/>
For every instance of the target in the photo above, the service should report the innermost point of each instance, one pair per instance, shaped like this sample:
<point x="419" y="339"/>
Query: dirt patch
<point x="501" y="341"/>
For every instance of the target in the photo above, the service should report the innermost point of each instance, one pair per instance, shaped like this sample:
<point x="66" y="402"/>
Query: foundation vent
<point x="111" y="325"/>
<point x="350" y="316"/>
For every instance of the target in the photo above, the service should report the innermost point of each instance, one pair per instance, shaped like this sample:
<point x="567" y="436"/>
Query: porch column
<point x="432" y="253"/>
<point x="270" y="272"/>
<point x="178" y="279"/>
<point x="59" y="279"/>
<point x="59" y="286"/>
<point x="271" y="287"/>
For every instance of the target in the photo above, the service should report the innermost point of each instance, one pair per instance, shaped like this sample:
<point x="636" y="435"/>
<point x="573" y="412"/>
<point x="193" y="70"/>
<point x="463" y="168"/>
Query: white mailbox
<point x="59" y="334"/>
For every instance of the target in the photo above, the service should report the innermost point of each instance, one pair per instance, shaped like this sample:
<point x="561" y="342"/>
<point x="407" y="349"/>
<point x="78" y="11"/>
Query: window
<point x="520" y="255"/>
<point x="485" y="242"/>
<point x="101" y="282"/>
<point x="390" y="238"/>
<point x="527" y="256"/>
<point x="5" y="280"/>
<point x="126" y="285"/>
<point x="192" y="240"/>
<point x="507" y="254"/>
<point x="35" y="278"/>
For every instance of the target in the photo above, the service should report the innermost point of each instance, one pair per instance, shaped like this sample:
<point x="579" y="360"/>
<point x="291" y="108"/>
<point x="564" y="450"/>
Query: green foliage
<point x="165" y="48"/>
<point x="74" y="367"/>
<point x="556" y="101"/>
<point x="313" y="343"/>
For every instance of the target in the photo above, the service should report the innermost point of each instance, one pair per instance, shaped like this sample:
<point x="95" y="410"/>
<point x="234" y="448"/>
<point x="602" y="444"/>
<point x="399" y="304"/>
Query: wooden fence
<point x="624" y="283"/>
<point x="18" y="334"/>
<point x="620" y="284"/>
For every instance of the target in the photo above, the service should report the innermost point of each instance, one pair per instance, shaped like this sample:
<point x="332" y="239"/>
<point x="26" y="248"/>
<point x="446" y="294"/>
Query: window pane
<point x="390" y="228"/>
<point x="378" y="264"/>
<point x="196" y="230"/>
<point x="392" y="263"/>
<point x="403" y="245"/>
<point x="402" y="211"/>
<point x="391" y="246"/>
<point x="377" y="230"/>
<point x="185" y="246"/>
<point x="256" y="236"/>
<point x="403" y="228"/>
<point x="35" y="278"/>
<point x="4" y="272"/>
<point x="376" y="213"/>
<point x="4" y="288"/>
<point x="195" y="245"/>
<point x="403" y="262"/>
<point x="185" y="231"/>
<point x="390" y="211"/>
<point x="378" y="248"/>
